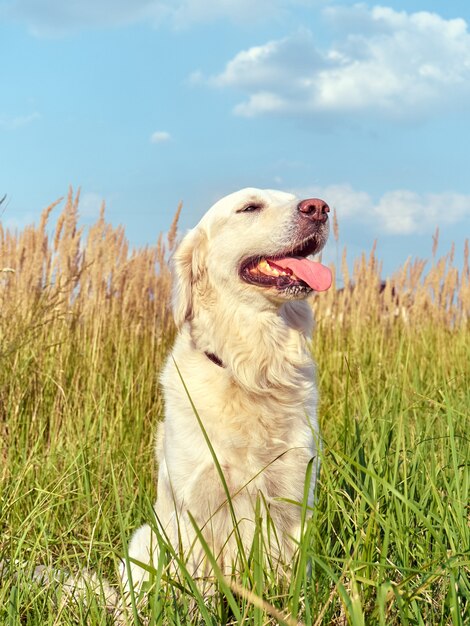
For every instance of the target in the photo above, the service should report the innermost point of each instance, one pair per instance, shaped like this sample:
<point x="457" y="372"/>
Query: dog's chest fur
<point x="263" y="432"/>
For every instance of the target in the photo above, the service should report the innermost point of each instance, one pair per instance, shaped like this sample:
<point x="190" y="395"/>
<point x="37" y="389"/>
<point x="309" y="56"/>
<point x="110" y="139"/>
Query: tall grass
<point x="84" y="331"/>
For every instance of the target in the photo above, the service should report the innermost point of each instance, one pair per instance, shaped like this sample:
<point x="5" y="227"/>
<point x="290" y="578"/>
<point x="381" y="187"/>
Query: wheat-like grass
<point x="96" y="276"/>
<point x="84" y="330"/>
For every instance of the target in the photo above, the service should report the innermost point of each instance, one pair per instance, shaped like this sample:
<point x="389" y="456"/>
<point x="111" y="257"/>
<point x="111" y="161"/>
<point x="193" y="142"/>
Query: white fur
<point x="259" y="409"/>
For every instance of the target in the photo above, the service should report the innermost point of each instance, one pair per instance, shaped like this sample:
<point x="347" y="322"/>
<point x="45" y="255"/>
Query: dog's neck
<point x="266" y="345"/>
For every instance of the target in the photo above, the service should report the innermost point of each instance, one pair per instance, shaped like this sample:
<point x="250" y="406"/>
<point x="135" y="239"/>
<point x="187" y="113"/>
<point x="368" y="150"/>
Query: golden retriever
<point x="241" y="365"/>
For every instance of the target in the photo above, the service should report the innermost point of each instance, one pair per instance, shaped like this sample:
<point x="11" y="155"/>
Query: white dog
<point x="242" y="362"/>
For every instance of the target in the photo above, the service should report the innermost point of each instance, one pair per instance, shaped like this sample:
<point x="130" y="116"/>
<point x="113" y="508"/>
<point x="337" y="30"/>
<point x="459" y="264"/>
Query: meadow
<point x="84" y="330"/>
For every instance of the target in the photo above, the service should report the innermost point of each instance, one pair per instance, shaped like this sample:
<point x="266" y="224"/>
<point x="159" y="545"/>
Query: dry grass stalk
<point x="96" y="278"/>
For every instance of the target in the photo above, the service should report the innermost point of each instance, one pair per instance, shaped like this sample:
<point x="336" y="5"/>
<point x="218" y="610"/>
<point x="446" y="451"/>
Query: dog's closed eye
<point x="250" y="208"/>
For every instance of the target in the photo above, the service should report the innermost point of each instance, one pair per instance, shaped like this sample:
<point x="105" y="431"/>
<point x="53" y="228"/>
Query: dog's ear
<point x="188" y="268"/>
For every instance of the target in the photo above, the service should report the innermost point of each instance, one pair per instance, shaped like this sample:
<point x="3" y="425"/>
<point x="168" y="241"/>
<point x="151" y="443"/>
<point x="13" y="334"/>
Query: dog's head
<point x="253" y="244"/>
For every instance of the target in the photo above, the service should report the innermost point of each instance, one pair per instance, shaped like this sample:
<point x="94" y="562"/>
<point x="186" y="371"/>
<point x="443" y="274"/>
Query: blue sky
<point x="150" y="102"/>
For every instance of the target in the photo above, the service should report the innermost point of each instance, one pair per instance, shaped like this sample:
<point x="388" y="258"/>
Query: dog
<point x="240" y="422"/>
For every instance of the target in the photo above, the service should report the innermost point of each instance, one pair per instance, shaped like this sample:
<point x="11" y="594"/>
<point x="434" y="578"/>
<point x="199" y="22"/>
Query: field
<point x="84" y="330"/>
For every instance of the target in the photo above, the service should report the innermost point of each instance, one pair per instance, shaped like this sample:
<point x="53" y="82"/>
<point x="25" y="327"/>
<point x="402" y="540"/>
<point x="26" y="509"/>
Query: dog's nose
<point x="314" y="209"/>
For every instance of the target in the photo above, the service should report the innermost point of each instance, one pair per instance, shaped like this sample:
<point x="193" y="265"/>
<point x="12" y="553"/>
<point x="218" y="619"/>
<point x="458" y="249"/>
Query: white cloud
<point x="406" y="212"/>
<point x="271" y="65"/>
<point x="18" y="121"/>
<point x="160" y="136"/>
<point x="186" y="12"/>
<point x="90" y="204"/>
<point x="57" y="17"/>
<point x="17" y="223"/>
<point x="398" y="212"/>
<point x="387" y="62"/>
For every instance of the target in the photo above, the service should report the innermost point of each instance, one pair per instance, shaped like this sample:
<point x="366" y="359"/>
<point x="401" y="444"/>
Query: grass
<point x="84" y="330"/>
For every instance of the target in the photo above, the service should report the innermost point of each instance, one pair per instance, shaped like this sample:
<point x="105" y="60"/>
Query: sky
<point x="146" y="103"/>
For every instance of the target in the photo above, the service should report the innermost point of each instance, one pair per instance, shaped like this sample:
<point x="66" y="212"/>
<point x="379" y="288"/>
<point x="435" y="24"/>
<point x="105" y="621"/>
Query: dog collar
<point x="214" y="358"/>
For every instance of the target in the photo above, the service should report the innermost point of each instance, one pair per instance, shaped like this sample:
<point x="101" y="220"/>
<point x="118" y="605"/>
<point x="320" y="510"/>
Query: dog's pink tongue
<point x="316" y="275"/>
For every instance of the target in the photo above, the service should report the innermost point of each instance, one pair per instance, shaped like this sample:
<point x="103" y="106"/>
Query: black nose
<point x="314" y="209"/>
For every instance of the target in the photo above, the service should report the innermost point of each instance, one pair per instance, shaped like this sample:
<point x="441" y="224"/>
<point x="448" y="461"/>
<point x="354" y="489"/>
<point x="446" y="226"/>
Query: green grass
<point x="389" y="539"/>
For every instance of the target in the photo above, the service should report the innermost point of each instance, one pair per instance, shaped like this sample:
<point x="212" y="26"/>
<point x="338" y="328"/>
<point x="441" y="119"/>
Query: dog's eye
<point x="250" y="208"/>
